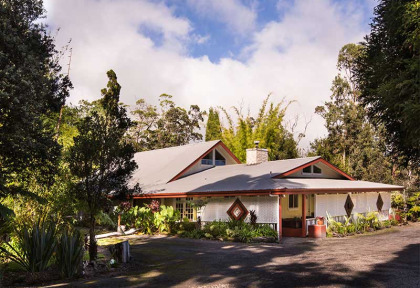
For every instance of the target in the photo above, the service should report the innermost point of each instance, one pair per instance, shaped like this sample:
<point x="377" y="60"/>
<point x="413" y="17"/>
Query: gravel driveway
<point x="382" y="259"/>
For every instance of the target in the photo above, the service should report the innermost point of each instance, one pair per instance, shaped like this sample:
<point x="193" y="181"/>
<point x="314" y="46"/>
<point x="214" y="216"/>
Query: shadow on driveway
<point x="383" y="260"/>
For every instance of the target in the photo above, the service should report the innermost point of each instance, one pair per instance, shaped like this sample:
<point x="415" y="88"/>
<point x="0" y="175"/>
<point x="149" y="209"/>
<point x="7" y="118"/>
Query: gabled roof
<point x="159" y="171"/>
<point x="160" y="166"/>
<point x="316" y="160"/>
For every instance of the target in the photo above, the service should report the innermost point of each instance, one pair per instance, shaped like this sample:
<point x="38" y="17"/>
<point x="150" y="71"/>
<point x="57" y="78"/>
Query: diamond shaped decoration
<point x="348" y="205"/>
<point x="379" y="203"/>
<point x="237" y="211"/>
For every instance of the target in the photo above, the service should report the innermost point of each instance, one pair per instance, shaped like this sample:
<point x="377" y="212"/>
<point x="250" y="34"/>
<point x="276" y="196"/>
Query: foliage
<point x="253" y="217"/>
<point x="388" y="74"/>
<point x="104" y="219"/>
<point x="32" y="90"/>
<point x="267" y="128"/>
<point x="234" y="230"/>
<point x="353" y="143"/>
<point x="185" y="226"/>
<point x="165" y="218"/>
<point x="358" y="224"/>
<point x="154" y="206"/>
<point x="34" y="246"/>
<point x="397" y="200"/>
<point x="100" y="158"/>
<point x="413" y="204"/>
<point x="163" y="127"/>
<point x="70" y="253"/>
<point x="142" y="217"/>
<point x="213" y="126"/>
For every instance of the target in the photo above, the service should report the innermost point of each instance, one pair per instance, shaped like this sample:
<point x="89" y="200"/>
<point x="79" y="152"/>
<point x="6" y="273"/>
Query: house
<point x="286" y="194"/>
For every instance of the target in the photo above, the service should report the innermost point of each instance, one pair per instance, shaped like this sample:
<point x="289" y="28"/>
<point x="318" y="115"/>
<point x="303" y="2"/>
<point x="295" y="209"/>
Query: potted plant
<point x="319" y="220"/>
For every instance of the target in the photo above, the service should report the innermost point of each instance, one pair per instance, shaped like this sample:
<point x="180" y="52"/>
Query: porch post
<point x="303" y="215"/>
<point x="279" y="224"/>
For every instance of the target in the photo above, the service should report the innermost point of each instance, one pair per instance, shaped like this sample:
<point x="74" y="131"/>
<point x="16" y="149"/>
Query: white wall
<point x="266" y="208"/>
<point x="363" y="202"/>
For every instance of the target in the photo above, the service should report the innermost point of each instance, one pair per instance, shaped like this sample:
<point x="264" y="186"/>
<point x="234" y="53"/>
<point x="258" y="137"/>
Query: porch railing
<point x="382" y="215"/>
<point x="272" y="225"/>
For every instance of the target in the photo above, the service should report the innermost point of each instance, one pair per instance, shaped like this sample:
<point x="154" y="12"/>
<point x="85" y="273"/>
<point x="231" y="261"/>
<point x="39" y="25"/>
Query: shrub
<point x="253" y="217"/>
<point x="397" y="200"/>
<point x="245" y="234"/>
<point x="216" y="229"/>
<point x="34" y="246"/>
<point x="266" y="231"/>
<point x="194" y="234"/>
<point x="143" y="219"/>
<point x="186" y="225"/>
<point x="104" y="219"/>
<point x="154" y="206"/>
<point x="373" y="220"/>
<point x="70" y="253"/>
<point x="164" y="220"/>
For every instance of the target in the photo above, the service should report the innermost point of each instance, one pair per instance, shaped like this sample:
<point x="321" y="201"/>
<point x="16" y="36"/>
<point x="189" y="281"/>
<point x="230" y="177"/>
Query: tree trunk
<point x="92" y="240"/>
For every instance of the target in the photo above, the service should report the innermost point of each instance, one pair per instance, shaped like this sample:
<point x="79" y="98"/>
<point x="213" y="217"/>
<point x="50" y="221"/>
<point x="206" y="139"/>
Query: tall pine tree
<point x="389" y="75"/>
<point x="213" y="127"/>
<point x="101" y="158"/>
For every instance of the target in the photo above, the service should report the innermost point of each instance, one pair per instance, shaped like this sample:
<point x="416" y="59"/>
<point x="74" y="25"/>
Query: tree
<point x="388" y="73"/>
<point x="213" y="127"/>
<point x="353" y="143"/>
<point x="100" y="158"/>
<point x="31" y="90"/>
<point x="165" y="127"/>
<point x="267" y="128"/>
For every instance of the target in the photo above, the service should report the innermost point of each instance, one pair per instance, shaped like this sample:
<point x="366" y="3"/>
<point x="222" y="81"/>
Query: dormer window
<point x="208" y="159"/>
<point x="316" y="170"/>
<point x="312" y="170"/>
<point x="307" y="169"/>
<point x="219" y="160"/>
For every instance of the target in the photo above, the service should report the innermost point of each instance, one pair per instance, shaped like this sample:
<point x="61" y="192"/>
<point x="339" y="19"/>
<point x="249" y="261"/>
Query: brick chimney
<point x="256" y="155"/>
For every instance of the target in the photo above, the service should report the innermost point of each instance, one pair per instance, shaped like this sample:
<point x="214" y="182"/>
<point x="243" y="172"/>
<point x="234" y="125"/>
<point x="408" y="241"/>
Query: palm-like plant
<point x="70" y="253"/>
<point x="34" y="247"/>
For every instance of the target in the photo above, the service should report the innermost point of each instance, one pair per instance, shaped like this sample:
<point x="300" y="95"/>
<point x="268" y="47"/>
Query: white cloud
<point x="239" y="18"/>
<point x="294" y="58"/>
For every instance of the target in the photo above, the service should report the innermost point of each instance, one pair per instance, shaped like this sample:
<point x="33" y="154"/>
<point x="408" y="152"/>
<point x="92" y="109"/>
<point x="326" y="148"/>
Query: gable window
<point x="293" y="201"/>
<point x="184" y="208"/>
<point x="208" y="159"/>
<point x="220" y="160"/>
<point x="312" y="170"/>
<point x="307" y="169"/>
<point x="316" y="170"/>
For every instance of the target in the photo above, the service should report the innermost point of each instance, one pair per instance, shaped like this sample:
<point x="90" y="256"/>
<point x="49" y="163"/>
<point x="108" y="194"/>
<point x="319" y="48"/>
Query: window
<point x="312" y="170"/>
<point x="208" y="159"/>
<point x="220" y="160"/>
<point x="189" y="210"/>
<point x="293" y="201"/>
<point x="317" y="170"/>
<point x="179" y="206"/>
<point x="185" y="210"/>
<point x="307" y="169"/>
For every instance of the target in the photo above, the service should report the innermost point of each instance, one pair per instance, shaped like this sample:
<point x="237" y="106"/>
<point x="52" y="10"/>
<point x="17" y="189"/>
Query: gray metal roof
<point x="242" y="177"/>
<point x="159" y="166"/>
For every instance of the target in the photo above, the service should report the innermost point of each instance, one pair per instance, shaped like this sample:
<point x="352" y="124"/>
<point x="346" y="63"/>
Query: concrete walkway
<point x="381" y="259"/>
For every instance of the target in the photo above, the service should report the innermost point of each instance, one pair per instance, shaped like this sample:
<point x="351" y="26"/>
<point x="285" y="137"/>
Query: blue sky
<point x="211" y="52"/>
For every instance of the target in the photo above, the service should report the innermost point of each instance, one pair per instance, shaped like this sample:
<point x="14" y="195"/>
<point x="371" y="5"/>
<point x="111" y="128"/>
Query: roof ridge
<point x="173" y="147"/>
